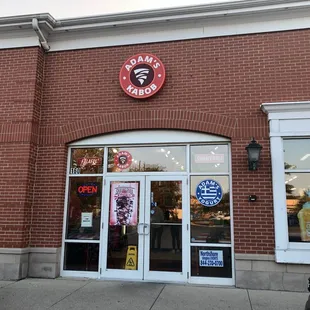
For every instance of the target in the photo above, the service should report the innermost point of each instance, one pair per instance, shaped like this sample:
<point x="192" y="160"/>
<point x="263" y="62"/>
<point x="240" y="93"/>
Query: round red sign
<point x="123" y="160"/>
<point x="142" y="76"/>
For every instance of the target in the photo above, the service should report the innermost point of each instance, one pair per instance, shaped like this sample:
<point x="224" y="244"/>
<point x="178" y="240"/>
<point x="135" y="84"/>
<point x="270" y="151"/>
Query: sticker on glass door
<point x="122" y="252"/>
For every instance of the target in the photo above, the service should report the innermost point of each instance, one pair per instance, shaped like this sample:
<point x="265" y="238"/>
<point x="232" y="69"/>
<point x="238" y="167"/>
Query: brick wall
<point x="21" y="72"/>
<point x="213" y="85"/>
<point x="49" y="194"/>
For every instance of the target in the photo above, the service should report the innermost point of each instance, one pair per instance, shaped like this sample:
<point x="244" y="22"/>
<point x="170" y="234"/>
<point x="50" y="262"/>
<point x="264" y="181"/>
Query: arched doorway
<point x="133" y="212"/>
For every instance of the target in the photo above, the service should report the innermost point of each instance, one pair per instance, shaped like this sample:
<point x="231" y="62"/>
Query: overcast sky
<point x="75" y="8"/>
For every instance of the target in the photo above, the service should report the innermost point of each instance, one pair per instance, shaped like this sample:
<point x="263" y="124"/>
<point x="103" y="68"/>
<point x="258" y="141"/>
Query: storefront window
<point x="211" y="158"/>
<point x="156" y="240"/>
<point x="85" y="161"/>
<point x="296" y="154"/>
<point x="210" y="223"/>
<point x="142" y="159"/>
<point x="289" y="124"/>
<point x="84" y="211"/>
<point x="297" y="186"/>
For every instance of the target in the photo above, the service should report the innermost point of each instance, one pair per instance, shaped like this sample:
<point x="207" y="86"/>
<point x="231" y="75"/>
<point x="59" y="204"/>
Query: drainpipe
<point x="42" y="39"/>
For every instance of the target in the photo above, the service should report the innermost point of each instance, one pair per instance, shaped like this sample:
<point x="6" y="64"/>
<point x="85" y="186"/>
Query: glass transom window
<point x="147" y="159"/>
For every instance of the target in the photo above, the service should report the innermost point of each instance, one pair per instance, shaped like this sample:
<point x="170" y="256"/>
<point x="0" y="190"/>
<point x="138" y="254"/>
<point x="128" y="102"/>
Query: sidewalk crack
<point x="157" y="297"/>
<point x="249" y="299"/>
<point x="69" y="295"/>
<point x="9" y="284"/>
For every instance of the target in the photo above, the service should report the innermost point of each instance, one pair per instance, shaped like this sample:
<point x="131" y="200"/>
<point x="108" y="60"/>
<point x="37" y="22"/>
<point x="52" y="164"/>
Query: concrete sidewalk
<point x="62" y="294"/>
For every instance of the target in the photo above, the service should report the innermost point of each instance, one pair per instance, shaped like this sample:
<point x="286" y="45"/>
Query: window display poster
<point x="210" y="258"/>
<point x="87" y="219"/>
<point x="124" y="204"/>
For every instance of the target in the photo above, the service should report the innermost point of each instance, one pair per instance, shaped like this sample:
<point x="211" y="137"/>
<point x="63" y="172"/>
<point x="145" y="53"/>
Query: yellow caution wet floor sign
<point x="131" y="259"/>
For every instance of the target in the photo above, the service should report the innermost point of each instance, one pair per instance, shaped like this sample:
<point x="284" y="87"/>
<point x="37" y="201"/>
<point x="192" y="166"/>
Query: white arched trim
<point x="150" y="137"/>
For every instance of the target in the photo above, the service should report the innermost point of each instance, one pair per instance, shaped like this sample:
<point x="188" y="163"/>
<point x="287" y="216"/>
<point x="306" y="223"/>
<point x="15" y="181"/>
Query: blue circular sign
<point x="209" y="193"/>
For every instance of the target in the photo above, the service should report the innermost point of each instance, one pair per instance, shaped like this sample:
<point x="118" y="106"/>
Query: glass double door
<point x="145" y="228"/>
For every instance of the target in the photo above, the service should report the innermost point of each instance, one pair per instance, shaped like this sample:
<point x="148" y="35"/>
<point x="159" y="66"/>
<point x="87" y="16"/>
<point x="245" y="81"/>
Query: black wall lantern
<point x="253" y="150"/>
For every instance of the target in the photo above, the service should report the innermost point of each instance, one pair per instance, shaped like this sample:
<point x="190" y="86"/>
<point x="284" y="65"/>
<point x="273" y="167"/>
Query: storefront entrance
<point x="145" y="228"/>
<point x="158" y="211"/>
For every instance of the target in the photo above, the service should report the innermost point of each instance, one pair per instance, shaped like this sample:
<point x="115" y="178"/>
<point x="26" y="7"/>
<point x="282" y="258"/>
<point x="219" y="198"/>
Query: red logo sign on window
<point x="142" y="76"/>
<point x="123" y="160"/>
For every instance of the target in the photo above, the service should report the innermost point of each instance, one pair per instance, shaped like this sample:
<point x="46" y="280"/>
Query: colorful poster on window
<point x="124" y="204"/>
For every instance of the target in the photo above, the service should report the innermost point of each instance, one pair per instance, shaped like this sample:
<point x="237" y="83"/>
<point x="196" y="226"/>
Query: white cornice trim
<point x="286" y="107"/>
<point x="187" y="13"/>
<point x="16" y="39"/>
<point x="182" y="23"/>
<point x="244" y="7"/>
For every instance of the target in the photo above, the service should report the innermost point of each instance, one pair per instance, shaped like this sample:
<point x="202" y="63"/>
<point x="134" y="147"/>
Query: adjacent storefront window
<point x="289" y="125"/>
<point x="297" y="187"/>
<point x="147" y="159"/>
<point x="296" y="154"/>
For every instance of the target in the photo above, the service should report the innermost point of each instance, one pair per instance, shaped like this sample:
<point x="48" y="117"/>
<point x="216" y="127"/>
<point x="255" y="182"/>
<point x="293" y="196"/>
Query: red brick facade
<point x="21" y="72"/>
<point x="213" y="85"/>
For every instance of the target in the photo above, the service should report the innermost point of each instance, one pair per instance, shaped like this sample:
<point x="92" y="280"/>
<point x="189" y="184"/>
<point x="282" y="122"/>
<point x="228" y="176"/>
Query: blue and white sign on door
<point x="210" y="258"/>
<point x="209" y="193"/>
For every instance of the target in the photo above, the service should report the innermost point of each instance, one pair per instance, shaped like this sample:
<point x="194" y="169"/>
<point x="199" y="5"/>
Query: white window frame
<point x="286" y="120"/>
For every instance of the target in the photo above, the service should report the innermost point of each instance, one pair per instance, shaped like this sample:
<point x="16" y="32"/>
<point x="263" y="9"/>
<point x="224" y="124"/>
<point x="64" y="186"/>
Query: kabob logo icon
<point x="142" y="76"/>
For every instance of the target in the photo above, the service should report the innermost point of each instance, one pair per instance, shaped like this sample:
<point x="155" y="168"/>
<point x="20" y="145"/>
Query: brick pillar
<point x="21" y="72"/>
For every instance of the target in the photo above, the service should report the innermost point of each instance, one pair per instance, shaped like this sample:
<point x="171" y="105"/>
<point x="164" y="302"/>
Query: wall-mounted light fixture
<point x="253" y="150"/>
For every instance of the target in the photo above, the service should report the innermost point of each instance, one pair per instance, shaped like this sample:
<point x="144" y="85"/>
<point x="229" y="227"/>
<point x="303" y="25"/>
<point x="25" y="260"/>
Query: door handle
<point x="141" y="229"/>
<point x="146" y="229"/>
